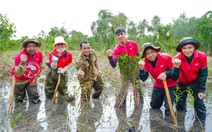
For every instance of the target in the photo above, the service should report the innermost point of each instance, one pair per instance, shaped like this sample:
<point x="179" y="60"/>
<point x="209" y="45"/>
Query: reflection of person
<point x="27" y="66"/>
<point x="159" y="65"/>
<point x="59" y="62"/>
<point x="28" y="118"/>
<point x="123" y="119"/>
<point x="57" y="116"/>
<point x="89" y="73"/>
<point x="88" y="119"/>
<point x="124" y="47"/>
<point x="158" y="124"/>
<point x="194" y="78"/>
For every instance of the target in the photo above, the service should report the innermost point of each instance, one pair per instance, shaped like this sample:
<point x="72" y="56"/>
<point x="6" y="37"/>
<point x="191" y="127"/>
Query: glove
<point x="54" y="59"/>
<point x="60" y="70"/>
<point x="23" y="57"/>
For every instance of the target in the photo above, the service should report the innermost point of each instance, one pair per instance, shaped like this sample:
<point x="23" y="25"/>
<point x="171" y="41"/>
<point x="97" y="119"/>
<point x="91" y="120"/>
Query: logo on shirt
<point x="33" y="69"/>
<point x="196" y="64"/>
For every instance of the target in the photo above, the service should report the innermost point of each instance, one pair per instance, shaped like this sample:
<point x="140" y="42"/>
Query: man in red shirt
<point x="193" y="74"/>
<point x="27" y="67"/>
<point x="160" y="66"/>
<point x="124" y="47"/>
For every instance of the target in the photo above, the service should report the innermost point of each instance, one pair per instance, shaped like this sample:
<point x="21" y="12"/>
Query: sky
<point x="32" y="16"/>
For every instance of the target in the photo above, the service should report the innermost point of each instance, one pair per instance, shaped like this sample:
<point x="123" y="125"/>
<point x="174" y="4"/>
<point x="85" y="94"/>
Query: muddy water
<point x="100" y="117"/>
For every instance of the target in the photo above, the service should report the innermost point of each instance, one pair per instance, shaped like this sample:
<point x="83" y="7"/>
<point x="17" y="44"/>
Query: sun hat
<point x="187" y="40"/>
<point x="58" y="40"/>
<point x="30" y="40"/>
<point x="148" y="45"/>
<point x="119" y="30"/>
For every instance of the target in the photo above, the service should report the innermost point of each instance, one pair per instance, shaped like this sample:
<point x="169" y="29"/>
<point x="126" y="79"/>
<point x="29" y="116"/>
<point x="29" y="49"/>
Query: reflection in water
<point x="47" y="117"/>
<point x="4" y="105"/>
<point x="56" y="116"/>
<point x="29" y="120"/>
<point x="156" y="118"/>
<point x="129" y="124"/>
<point x="88" y="120"/>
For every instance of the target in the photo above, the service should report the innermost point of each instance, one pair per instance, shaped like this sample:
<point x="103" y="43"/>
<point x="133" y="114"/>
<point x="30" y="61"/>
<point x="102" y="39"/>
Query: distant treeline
<point x="165" y="36"/>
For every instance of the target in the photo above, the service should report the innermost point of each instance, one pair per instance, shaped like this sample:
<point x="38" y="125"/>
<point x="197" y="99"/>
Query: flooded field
<point x="101" y="116"/>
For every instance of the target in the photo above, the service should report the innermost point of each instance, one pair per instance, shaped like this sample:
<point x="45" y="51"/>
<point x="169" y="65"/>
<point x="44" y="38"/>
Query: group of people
<point x="188" y="69"/>
<point x="28" y="64"/>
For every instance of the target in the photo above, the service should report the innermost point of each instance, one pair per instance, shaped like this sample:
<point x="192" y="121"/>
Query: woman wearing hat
<point x="193" y="74"/>
<point x="160" y="66"/>
<point x="59" y="62"/>
<point x="27" y="66"/>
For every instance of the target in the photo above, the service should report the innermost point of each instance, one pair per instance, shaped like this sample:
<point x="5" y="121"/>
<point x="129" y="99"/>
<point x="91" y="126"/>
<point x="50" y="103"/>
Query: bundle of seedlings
<point x="129" y="71"/>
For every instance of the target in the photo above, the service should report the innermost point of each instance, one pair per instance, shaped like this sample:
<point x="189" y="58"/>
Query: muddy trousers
<point x="21" y="89"/>
<point x="159" y="95"/>
<point x="199" y="106"/>
<point x="86" y="89"/>
<point x="51" y="82"/>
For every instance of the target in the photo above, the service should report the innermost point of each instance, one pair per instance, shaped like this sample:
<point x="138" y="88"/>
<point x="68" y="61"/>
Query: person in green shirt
<point x="88" y="72"/>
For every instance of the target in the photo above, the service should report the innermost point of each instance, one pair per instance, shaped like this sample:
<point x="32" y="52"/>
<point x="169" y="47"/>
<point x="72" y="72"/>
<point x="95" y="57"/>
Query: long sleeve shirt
<point x="194" y="74"/>
<point x="162" y="64"/>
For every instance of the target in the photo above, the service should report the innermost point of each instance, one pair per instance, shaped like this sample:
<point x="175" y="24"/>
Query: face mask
<point x="60" y="50"/>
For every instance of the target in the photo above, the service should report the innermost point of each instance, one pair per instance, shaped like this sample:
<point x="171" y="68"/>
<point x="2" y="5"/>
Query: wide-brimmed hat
<point x="30" y="40"/>
<point x="187" y="40"/>
<point x="148" y="45"/>
<point x="58" y="40"/>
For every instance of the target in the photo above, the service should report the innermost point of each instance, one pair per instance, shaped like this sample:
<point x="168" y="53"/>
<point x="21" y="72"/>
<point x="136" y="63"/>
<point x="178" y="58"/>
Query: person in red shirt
<point x="59" y="62"/>
<point x="193" y="75"/>
<point x="160" y="66"/>
<point x="124" y="47"/>
<point x="27" y="67"/>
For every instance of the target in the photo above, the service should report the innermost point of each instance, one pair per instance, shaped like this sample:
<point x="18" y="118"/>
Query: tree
<point x="76" y="37"/>
<point x="101" y="28"/>
<point x="7" y="30"/>
<point x="47" y="39"/>
<point x="155" y="24"/>
<point x="141" y="30"/>
<point x="205" y="32"/>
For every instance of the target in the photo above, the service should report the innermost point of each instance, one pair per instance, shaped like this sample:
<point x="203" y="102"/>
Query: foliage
<point x="205" y="32"/>
<point x="165" y="36"/>
<point x="16" y="118"/>
<point x="7" y="30"/>
<point x="103" y="29"/>
<point x="76" y="38"/>
<point x="189" y="91"/>
<point x="128" y="66"/>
